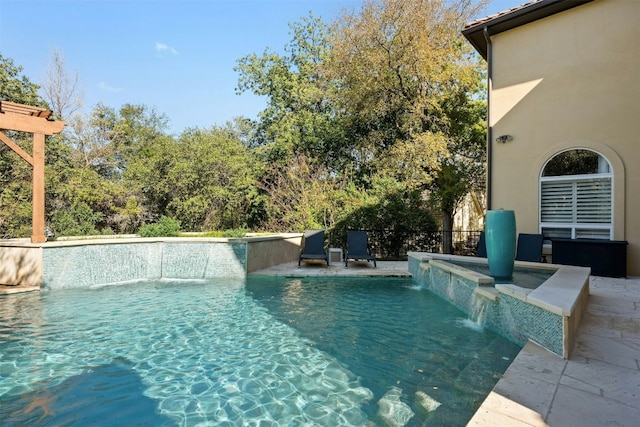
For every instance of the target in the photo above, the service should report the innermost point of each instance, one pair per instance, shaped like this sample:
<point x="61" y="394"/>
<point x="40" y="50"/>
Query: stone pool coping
<point x="564" y="294"/>
<point x="597" y="386"/>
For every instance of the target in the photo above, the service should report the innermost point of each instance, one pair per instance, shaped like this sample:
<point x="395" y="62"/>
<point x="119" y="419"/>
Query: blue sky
<point x="175" y="56"/>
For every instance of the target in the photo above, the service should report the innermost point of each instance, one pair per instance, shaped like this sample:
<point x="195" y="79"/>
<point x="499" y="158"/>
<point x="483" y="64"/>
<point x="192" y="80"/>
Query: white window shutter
<point x="581" y="205"/>
<point x="593" y="201"/>
<point x="557" y="202"/>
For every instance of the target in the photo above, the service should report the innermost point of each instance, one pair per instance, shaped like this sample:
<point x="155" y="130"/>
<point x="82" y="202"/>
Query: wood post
<point x="37" y="231"/>
<point x="26" y="118"/>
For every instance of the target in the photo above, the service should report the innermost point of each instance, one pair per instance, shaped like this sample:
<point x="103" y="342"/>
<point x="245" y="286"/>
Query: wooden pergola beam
<point x="15" y="147"/>
<point x="26" y="118"/>
<point x="31" y="124"/>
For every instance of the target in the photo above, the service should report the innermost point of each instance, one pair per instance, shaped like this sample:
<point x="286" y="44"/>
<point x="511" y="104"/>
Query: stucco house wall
<point x="570" y="80"/>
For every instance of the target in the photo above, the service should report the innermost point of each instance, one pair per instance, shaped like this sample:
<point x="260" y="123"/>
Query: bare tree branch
<point x="61" y="88"/>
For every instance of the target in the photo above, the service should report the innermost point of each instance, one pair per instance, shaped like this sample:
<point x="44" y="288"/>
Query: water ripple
<point x="205" y="352"/>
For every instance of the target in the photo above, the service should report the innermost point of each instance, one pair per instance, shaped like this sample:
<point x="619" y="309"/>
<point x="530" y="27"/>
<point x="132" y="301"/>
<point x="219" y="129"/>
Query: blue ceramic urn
<point x="500" y="235"/>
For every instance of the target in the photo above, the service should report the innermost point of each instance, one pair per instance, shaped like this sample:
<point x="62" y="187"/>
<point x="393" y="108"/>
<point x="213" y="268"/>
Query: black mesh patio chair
<point x="529" y="247"/>
<point x="481" y="250"/>
<point x="358" y="248"/>
<point x="313" y="246"/>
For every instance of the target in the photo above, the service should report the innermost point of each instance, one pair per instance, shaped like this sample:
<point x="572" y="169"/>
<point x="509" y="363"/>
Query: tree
<point x="109" y="140"/>
<point x="411" y="84"/>
<point x="61" y="88"/>
<point x="300" y="196"/>
<point x="16" y="87"/>
<point x="80" y="201"/>
<point x="463" y="172"/>
<point x="147" y="178"/>
<point x="86" y="179"/>
<point x="300" y="118"/>
<point x="206" y="178"/>
<point x="300" y="134"/>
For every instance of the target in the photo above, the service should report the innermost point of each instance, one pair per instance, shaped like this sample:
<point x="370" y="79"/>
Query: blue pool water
<point x="530" y="278"/>
<point x="260" y="351"/>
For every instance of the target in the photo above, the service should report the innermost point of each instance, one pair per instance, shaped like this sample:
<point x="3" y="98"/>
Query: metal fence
<point x="393" y="244"/>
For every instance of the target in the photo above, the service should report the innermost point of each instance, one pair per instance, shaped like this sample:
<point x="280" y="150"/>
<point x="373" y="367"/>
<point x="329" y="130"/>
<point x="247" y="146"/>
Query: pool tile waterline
<point x="77" y="266"/>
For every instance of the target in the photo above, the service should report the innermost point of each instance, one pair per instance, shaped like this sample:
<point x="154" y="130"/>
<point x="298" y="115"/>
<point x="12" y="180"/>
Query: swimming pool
<point x="244" y="352"/>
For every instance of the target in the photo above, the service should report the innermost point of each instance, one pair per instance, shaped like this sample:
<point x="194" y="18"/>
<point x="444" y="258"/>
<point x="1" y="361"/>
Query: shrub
<point x="166" y="227"/>
<point x="76" y="220"/>
<point x="236" y="232"/>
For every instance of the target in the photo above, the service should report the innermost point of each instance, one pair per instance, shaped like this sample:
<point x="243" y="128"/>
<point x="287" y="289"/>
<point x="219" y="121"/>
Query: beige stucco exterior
<point x="570" y="80"/>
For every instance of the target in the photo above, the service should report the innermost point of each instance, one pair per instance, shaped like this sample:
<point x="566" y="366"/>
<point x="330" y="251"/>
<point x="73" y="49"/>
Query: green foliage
<point x="300" y="195"/>
<point x="79" y="201"/>
<point x="300" y="118"/>
<point x="390" y="205"/>
<point x="237" y="232"/>
<point x="166" y="227"/>
<point x="374" y="122"/>
<point x="77" y="220"/>
<point x="15" y="87"/>
<point x="113" y="139"/>
<point x="394" y="214"/>
<point x="212" y="180"/>
<point x="15" y="211"/>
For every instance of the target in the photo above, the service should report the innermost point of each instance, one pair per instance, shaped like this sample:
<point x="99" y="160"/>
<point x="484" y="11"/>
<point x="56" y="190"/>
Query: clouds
<point x="162" y="48"/>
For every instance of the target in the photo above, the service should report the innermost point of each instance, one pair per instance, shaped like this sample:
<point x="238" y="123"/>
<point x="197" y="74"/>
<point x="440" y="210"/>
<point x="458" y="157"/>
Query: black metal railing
<point x="394" y="244"/>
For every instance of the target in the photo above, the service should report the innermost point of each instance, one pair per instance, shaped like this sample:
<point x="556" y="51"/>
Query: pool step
<point x="485" y="370"/>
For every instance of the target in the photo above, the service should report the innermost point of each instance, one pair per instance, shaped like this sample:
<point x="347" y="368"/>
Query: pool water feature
<point x="547" y="313"/>
<point x="239" y="352"/>
<point x="529" y="278"/>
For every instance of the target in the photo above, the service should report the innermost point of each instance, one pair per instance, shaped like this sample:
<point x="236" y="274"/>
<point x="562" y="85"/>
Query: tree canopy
<point x="373" y="121"/>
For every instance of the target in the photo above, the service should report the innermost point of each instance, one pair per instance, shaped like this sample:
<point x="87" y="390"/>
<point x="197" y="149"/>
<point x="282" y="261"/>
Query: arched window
<point x="576" y="189"/>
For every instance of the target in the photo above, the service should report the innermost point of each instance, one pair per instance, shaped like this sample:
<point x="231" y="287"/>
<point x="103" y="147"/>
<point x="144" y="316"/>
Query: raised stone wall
<point x="264" y="252"/>
<point x="94" y="262"/>
<point x="20" y="264"/>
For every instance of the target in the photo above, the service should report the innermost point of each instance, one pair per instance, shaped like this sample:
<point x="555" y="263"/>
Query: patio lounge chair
<point x="358" y="248"/>
<point x="313" y="246"/>
<point x="529" y="247"/>
<point x="482" y="246"/>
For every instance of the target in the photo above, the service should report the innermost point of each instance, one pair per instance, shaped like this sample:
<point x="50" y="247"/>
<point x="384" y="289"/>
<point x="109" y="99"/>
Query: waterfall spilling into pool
<point x="539" y="302"/>
<point x="479" y="309"/>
